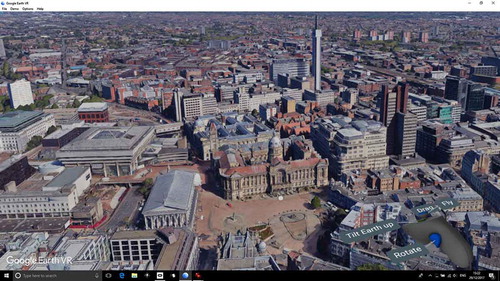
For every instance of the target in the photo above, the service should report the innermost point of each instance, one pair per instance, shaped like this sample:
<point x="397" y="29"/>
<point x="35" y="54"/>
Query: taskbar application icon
<point x="140" y="275"/>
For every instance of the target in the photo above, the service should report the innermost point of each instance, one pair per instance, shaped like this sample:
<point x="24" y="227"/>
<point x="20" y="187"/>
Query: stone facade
<point x="206" y="139"/>
<point x="240" y="181"/>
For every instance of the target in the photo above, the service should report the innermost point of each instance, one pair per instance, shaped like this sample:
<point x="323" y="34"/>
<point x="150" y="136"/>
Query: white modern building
<point x="20" y="93"/>
<point x="361" y="146"/>
<point x="74" y="251"/>
<point x="192" y="106"/>
<point x="35" y="199"/>
<point x="79" y="176"/>
<point x="242" y="97"/>
<point x="208" y="104"/>
<point x="248" y="77"/>
<point x="18" y="127"/>
<point x="92" y="247"/>
<point x="322" y="97"/>
<point x="256" y="100"/>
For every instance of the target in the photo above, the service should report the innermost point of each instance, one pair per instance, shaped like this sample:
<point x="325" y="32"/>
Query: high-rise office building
<point x="393" y="102"/>
<point x="292" y="67"/>
<point x="359" y="146"/>
<point x="455" y="89"/>
<point x="192" y="106"/>
<point x="242" y="98"/>
<point x="208" y="104"/>
<point x="388" y="107"/>
<point x="402" y="91"/>
<point x="20" y="93"/>
<point x="316" y="48"/>
<point x="475" y="97"/>
<point x="405" y="134"/>
<point x="429" y="135"/>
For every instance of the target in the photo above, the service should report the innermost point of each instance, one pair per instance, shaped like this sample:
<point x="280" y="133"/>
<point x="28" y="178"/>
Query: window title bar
<point x="255" y="5"/>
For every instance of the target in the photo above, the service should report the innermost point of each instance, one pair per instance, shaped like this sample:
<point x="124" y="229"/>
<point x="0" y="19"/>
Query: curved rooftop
<point x="172" y="192"/>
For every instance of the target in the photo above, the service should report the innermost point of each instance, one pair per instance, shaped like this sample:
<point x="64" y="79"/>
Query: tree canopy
<point x="316" y="202"/>
<point x="34" y="142"/>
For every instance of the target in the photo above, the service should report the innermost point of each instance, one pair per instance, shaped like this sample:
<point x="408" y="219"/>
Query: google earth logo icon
<point x="3" y="3"/>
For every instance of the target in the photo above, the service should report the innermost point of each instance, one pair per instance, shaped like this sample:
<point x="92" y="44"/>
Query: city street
<point x="125" y="212"/>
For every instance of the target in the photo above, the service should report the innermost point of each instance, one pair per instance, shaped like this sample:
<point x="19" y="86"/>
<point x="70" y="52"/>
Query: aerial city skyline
<point x="249" y="141"/>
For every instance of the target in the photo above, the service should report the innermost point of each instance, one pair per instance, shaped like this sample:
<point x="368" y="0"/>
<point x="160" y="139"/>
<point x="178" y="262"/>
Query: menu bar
<point x="256" y="5"/>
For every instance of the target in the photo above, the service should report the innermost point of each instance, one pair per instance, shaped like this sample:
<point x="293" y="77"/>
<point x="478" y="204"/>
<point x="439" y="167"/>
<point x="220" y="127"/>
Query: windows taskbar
<point x="245" y="275"/>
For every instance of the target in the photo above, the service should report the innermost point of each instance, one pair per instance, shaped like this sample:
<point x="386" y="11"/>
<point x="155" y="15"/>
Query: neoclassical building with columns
<point x="172" y="200"/>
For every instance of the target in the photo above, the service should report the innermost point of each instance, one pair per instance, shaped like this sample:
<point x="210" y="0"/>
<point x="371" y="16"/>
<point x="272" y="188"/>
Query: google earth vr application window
<point x="196" y="140"/>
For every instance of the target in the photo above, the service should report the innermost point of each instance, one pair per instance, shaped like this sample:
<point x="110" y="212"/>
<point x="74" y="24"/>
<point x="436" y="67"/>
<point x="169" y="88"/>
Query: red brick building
<point x="93" y="112"/>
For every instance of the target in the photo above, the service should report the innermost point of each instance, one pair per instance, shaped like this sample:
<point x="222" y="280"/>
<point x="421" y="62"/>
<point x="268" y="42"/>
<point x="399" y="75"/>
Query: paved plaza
<point x="294" y="224"/>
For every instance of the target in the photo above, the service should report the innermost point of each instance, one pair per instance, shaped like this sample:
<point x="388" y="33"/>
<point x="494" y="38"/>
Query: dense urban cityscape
<point x="246" y="141"/>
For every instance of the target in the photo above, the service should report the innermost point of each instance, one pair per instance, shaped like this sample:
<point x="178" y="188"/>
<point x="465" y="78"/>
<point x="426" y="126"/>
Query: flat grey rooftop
<point x="59" y="133"/>
<point x="68" y="176"/>
<point x="107" y="139"/>
<point x="350" y="133"/>
<point x="92" y="106"/>
<point x="135" y="234"/>
<point x="51" y="225"/>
